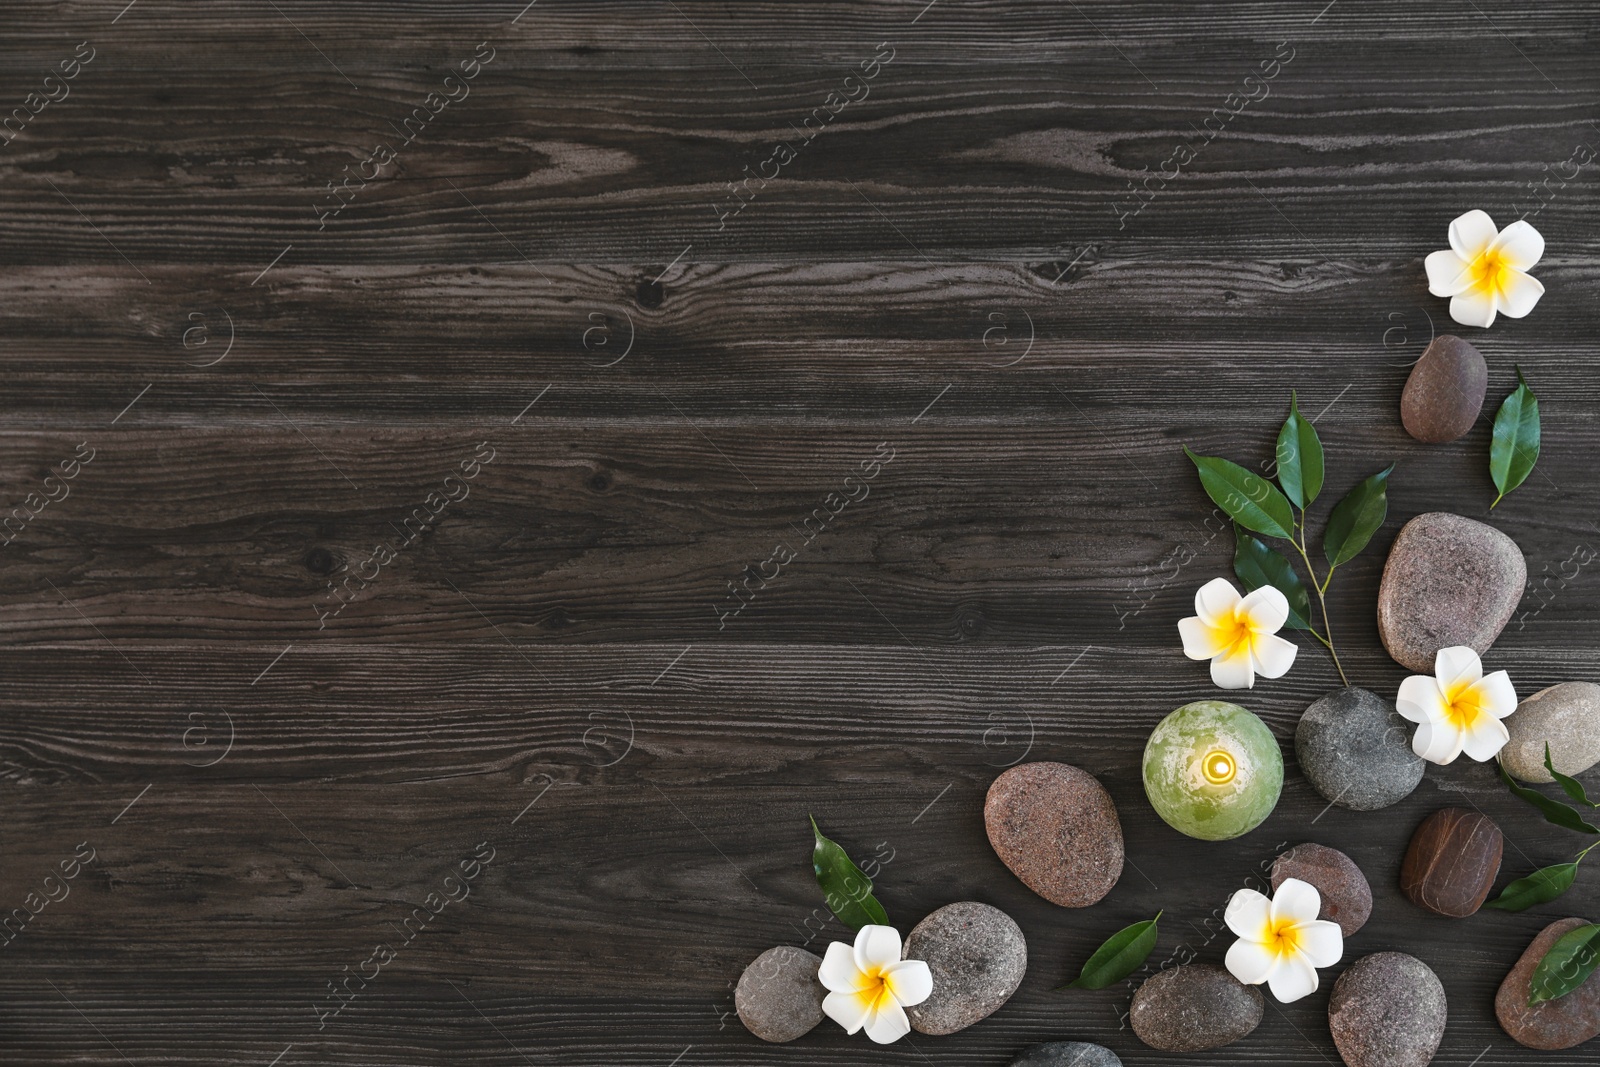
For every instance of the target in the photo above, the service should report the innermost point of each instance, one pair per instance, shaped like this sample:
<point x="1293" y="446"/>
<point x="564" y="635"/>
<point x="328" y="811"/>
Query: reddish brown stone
<point x="1057" y="829"/>
<point x="1551" y="1024"/>
<point x="1445" y="391"/>
<point x="1452" y="862"/>
<point x="1346" y="896"/>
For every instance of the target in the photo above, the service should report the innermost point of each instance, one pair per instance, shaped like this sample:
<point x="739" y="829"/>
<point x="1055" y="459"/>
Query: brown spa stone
<point x="1452" y="861"/>
<point x="1056" y="828"/>
<point x="1445" y="391"/>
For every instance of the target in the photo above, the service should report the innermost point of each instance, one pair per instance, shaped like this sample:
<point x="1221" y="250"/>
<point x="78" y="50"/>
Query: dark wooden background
<point x="942" y="269"/>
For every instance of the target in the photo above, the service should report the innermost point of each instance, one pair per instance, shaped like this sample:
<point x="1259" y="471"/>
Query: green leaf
<point x="1553" y="811"/>
<point x="1119" y="957"/>
<point x="1564" y="968"/>
<point x="1257" y="565"/>
<point x="1250" y="500"/>
<point x="1514" y="449"/>
<point x="1541" y="886"/>
<point x="1570" y="786"/>
<point x="847" y="891"/>
<point x="1299" y="458"/>
<point x="1356" y="518"/>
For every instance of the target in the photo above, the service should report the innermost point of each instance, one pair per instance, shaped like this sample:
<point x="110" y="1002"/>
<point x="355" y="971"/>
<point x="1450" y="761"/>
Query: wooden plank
<point x="556" y="667"/>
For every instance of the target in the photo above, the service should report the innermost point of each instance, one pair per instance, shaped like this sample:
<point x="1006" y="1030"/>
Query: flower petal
<point x="1448" y="273"/>
<point x="1519" y="292"/>
<point x="1474" y="307"/>
<point x="1437" y="742"/>
<point x="1321" y="942"/>
<point x="876" y="948"/>
<point x="1234" y="670"/>
<point x="1215" y="601"/>
<point x="910" y="982"/>
<point x="1484" y="739"/>
<point x="889" y="1024"/>
<point x="1248" y="915"/>
<point x="1519" y="245"/>
<point x="1472" y="233"/>
<point x="1250" y="961"/>
<point x="1495" y="694"/>
<point x="1199" y="640"/>
<point x="1420" y="700"/>
<point x="1296" y="901"/>
<point x="1456" y="667"/>
<point x="1292" y="978"/>
<point x="1265" y="610"/>
<point x="1274" y="655"/>
<point x="839" y="973"/>
<point x="849" y="1010"/>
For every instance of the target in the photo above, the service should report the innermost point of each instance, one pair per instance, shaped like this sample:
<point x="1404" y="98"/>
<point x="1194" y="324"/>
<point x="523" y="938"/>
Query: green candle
<point x="1213" y="770"/>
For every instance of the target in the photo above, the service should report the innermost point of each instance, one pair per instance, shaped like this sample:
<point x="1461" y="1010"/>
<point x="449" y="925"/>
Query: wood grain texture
<point x="949" y="273"/>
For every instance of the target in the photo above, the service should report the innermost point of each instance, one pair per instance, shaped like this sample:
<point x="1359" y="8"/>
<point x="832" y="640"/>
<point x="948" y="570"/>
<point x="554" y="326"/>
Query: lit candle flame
<point x="1218" y="767"/>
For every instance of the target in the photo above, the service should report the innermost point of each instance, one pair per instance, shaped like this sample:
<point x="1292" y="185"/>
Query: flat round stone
<point x="977" y="956"/>
<point x="1445" y="391"/>
<point x="1056" y="828"/>
<point x="1567" y="717"/>
<point x="1449" y="581"/>
<point x="1354" y="747"/>
<point x="1387" y="1010"/>
<point x="1067" y="1054"/>
<point x="1563" y="1022"/>
<point x="1452" y="862"/>
<point x="1346" y="896"/>
<point x="1194" y="1007"/>
<point x="778" y="997"/>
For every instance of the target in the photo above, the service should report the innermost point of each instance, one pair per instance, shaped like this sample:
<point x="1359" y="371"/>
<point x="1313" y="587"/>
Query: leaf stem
<point x="1322" y="598"/>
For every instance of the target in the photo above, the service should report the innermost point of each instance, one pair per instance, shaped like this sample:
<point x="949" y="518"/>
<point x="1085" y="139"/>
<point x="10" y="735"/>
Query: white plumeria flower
<point x="1459" y="710"/>
<point x="1482" y="270"/>
<point x="1238" y="634"/>
<point x="870" y="986"/>
<point x="1281" y="941"/>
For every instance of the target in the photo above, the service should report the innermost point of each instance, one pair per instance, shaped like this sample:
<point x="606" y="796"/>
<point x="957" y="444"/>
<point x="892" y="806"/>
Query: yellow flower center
<point x="875" y="995"/>
<point x="1218" y="767"/>
<point x="1461" y="706"/>
<point x="1490" y="272"/>
<point x="1235" y="631"/>
<point x="1283" y="937"/>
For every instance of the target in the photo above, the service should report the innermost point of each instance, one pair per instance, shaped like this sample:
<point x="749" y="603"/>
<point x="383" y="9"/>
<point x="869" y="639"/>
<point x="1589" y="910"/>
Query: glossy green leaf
<point x="1570" y="786"/>
<point x="846" y="889"/>
<point x="1514" y="449"/>
<point x="1553" y="810"/>
<point x="1299" y="458"/>
<point x="1248" y="499"/>
<point x="1568" y="963"/>
<point x="1356" y="518"/>
<point x="1541" y="886"/>
<point x="1257" y="565"/>
<point x="1119" y="957"/>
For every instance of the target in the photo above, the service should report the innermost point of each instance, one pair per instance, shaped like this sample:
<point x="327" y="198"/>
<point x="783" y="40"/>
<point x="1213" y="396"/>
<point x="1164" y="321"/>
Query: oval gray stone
<point x="1387" y="1010"/>
<point x="1354" y="747"/>
<point x="1067" y="1054"/>
<point x="977" y="956"/>
<point x="1449" y="581"/>
<point x="1194" y="1007"/>
<point x="1565" y="715"/>
<point x="1445" y="391"/>
<point x="778" y="997"/>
